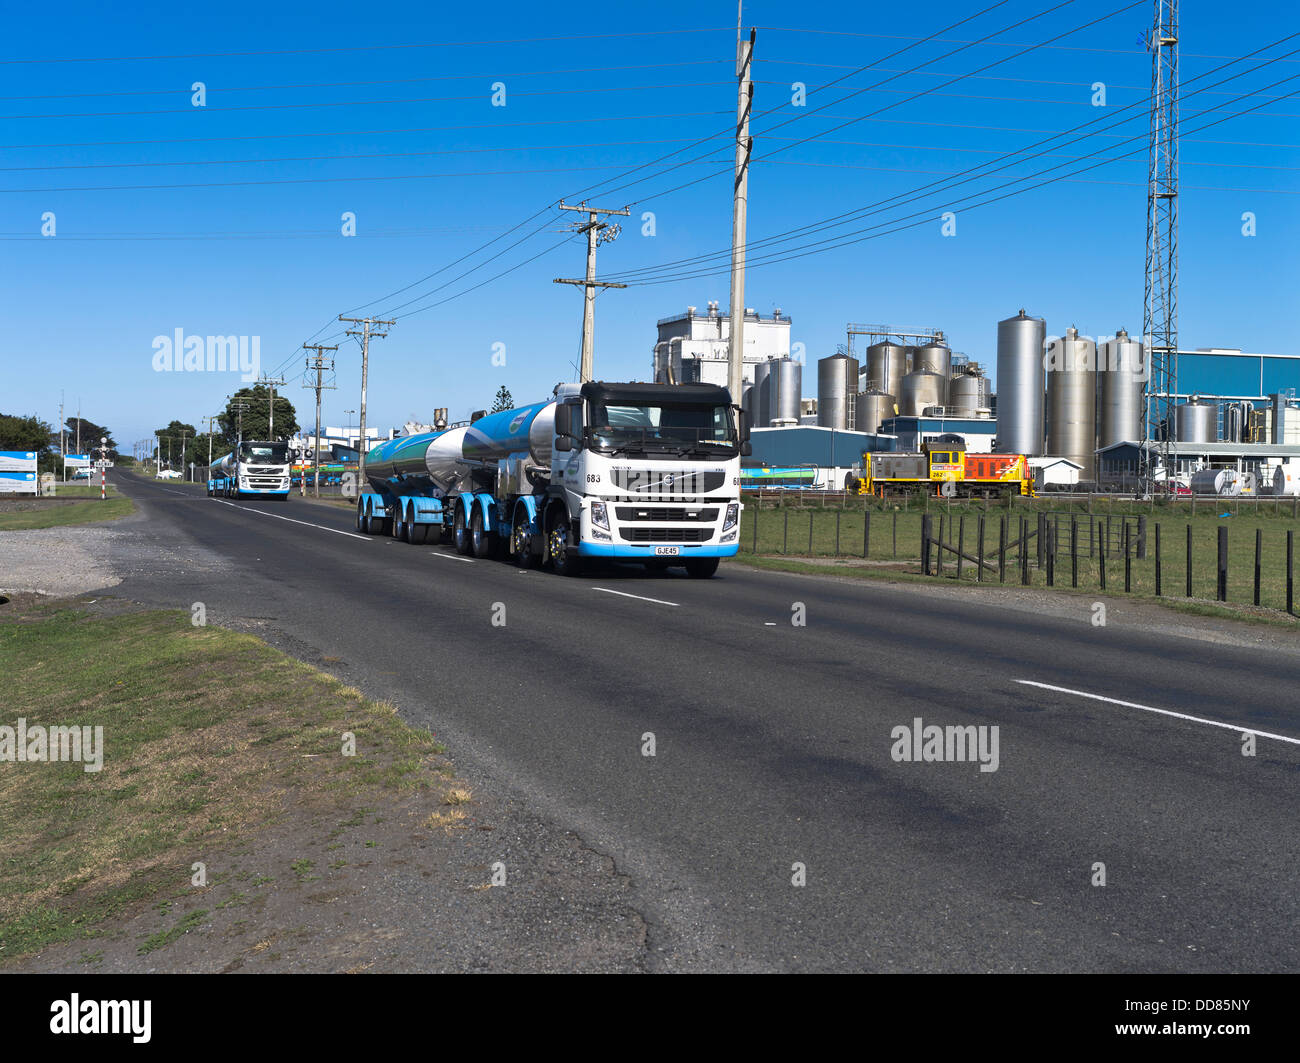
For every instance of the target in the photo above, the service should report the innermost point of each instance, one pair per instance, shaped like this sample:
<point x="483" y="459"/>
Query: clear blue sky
<point x="257" y="250"/>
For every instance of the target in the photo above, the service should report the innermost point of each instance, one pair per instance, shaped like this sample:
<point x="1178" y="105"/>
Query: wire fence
<point x="1242" y="554"/>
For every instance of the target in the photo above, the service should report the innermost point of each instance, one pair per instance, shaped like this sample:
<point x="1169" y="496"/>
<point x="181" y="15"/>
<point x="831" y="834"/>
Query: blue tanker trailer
<point x="639" y="472"/>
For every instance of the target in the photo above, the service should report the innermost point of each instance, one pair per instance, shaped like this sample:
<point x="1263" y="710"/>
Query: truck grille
<point x="664" y="514"/>
<point x="681" y="482"/>
<point x="666" y="535"/>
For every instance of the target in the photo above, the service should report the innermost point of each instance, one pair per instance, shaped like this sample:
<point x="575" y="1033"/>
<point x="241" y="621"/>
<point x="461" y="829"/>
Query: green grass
<point x="82" y="849"/>
<point x="895" y="534"/>
<point x="81" y="489"/>
<point x="60" y="516"/>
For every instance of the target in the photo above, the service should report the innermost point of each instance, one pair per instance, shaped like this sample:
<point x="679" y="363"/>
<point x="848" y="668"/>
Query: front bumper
<point x="646" y="552"/>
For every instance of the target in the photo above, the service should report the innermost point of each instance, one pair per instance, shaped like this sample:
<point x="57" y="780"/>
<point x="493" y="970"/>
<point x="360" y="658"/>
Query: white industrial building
<point x="694" y="347"/>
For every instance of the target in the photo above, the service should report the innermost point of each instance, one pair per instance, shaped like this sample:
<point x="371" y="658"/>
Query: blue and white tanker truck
<point x="252" y="470"/>
<point x="636" y="472"/>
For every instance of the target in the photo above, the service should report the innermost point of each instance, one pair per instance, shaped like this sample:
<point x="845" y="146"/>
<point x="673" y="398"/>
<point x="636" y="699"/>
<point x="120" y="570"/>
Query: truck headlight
<point x="599" y="516"/>
<point x="733" y="515"/>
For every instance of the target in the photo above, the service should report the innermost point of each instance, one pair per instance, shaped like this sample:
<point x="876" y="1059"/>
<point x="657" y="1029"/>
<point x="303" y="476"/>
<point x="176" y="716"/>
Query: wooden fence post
<point x="1259" y="547"/>
<point x="979" y="568"/>
<point x="1074" y="552"/>
<point x="1002" y="549"/>
<point x="1189" y="558"/>
<point x="1157" y="559"/>
<point x="1223" y="563"/>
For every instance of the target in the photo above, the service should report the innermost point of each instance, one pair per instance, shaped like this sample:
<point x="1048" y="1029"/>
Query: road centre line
<point x="1162" y="712"/>
<point x="291" y="520"/>
<point x="624" y="594"/>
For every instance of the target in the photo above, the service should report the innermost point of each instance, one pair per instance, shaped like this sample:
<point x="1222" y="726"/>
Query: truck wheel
<point x="520" y="541"/>
<point x="480" y="538"/>
<point x="361" y="518"/>
<point x="702" y="567"/>
<point x="460" y="534"/>
<point x="563" y="550"/>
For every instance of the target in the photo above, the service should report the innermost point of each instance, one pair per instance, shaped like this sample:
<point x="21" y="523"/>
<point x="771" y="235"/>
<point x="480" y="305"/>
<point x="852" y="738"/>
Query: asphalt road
<point x="773" y="747"/>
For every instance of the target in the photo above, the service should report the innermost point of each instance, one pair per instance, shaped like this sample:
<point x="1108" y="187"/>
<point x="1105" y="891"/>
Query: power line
<point x="1009" y="159"/>
<point x="365" y="47"/>
<point x="795" y="253"/>
<point x="328" y="158"/>
<point x="323" y="104"/>
<point x="385" y="81"/>
<point x="366" y="132"/>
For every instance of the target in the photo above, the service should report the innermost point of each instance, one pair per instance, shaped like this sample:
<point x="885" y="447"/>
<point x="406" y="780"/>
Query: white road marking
<point x="1162" y="712"/>
<point x="624" y="594"/>
<point x="769" y="623"/>
<point x="453" y="557"/>
<point x="291" y="520"/>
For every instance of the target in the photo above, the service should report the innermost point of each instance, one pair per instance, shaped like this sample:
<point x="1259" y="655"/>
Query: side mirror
<point x="746" y="448"/>
<point x="563" y="419"/>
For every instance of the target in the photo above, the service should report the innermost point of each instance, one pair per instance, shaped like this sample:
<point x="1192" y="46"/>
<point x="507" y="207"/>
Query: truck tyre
<point x="479" y="537"/>
<point x="362" y="523"/>
<point x="460" y="533"/>
<point x="702" y="567"/>
<point x="520" y="541"/>
<point x="560" y="546"/>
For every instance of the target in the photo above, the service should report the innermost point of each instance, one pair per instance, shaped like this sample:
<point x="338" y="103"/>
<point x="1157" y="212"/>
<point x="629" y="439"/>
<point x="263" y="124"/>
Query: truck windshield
<point x="680" y="428"/>
<point x="267" y="453"/>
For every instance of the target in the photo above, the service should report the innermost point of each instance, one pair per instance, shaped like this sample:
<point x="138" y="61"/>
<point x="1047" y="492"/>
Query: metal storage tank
<point x="968" y="392"/>
<point x="1122" y="368"/>
<point x="1286" y="478"/>
<point x="921" y="390"/>
<point x="747" y="402"/>
<point x="759" y="404"/>
<point x="872" y="408"/>
<point x="1196" y="421"/>
<point x="886" y="367"/>
<point x="1072" y="401"/>
<point x="1217" y="482"/>
<point x="784" y="387"/>
<point x="934" y="357"/>
<point x="1020" y="384"/>
<point x="837" y="383"/>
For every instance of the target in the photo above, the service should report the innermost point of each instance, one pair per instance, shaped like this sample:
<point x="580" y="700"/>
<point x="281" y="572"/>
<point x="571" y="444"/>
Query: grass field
<point x="191" y="761"/>
<point x="828" y="530"/>
<point x="59" y="515"/>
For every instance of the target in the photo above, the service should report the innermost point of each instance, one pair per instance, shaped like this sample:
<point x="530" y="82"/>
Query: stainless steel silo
<point x="1196" y="421"/>
<point x="1020" y="384"/>
<point x="873" y="407"/>
<point x="1121" y="369"/>
<point x="934" y="357"/>
<point x="747" y="402"/>
<point x="921" y="389"/>
<point x="837" y="383"/>
<point x="967" y="393"/>
<point x="784" y="385"/>
<point x="759" y="404"/>
<point x="1072" y="401"/>
<point x="886" y="367"/>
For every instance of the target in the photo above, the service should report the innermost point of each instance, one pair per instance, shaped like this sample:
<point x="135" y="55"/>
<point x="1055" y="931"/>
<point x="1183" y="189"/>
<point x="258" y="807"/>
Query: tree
<point x="24" y="433"/>
<point x="175" y="442"/>
<point x="503" y="401"/>
<point x="256" y="416"/>
<point x="91" y="434"/>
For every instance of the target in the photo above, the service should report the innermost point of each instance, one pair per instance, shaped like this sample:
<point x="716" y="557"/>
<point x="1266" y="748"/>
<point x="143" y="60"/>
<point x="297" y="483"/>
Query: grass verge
<point x="60" y="515"/>
<point x="209" y="736"/>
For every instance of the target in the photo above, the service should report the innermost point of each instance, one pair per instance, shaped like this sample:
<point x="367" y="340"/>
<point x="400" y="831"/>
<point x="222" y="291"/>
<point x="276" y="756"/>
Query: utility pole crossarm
<point x="367" y="330"/>
<point x="597" y="232"/>
<point x="318" y="363"/>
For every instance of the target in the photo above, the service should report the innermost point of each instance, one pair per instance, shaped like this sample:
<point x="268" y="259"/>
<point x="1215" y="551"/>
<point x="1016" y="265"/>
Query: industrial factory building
<point x="693" y="348"/>
<point x="1071" y="403"/>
